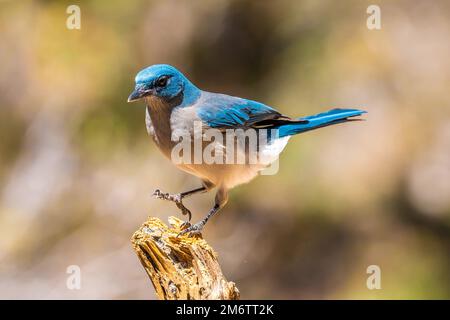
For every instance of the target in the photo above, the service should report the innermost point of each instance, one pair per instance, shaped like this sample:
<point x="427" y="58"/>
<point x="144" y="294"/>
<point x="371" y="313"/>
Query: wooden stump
<point x="184" y="267"/>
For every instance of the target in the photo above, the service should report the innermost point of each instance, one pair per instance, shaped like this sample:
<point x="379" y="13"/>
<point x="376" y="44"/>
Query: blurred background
<point x="77" y="168"/>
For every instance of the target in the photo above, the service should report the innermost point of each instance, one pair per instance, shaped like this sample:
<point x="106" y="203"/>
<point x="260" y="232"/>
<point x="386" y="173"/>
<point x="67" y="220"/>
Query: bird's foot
<point x="176" y="198"/>
<point x="185" y="225"/>
<point x="167" y="196"/>
<point x="193" y="229"/>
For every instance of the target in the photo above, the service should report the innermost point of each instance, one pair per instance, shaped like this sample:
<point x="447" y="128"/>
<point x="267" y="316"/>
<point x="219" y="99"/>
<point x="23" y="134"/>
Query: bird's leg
<point x="178" y="198"/>
<point x="220" y="201"/>
<point x="198" y="227"/>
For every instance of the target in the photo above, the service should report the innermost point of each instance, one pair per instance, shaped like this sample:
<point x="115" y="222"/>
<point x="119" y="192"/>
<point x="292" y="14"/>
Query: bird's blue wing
<point x="222" y="111"/>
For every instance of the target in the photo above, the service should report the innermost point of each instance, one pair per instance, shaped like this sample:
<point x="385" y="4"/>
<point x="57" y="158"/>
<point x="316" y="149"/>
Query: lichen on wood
<point x="184" y="267"/>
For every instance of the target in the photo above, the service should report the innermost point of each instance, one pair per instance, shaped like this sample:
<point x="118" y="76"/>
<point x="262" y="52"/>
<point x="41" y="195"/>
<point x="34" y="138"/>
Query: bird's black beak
<point x="137" y="94"/>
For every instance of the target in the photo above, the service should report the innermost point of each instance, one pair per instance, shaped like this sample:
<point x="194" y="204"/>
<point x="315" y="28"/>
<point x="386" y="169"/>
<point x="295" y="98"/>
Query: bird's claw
<point x="193" y="229"/>
<point x="176" y="198"/>
<point x="167" y="196"/>
<point x="185" y="225"/>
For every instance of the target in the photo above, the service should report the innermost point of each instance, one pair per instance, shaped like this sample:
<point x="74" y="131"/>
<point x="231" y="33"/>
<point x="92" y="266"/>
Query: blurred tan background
<point x="77" y="168"/>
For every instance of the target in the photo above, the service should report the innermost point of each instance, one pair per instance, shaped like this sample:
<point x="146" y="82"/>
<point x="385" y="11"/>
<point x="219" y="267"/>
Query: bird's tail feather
<point x="319" y="120"/>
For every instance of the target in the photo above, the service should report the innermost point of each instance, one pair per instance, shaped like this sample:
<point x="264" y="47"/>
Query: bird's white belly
<point x="231" y="175"/>
<point x="227" y="175"/>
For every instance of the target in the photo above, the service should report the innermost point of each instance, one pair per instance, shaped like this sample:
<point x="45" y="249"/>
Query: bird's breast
<point x="158" y="124"/>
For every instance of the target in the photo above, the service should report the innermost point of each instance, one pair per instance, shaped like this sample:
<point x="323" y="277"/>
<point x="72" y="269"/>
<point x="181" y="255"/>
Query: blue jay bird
<point x="175" y="103"/>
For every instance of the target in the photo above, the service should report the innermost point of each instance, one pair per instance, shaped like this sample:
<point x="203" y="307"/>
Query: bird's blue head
<point x="165" y="82"/>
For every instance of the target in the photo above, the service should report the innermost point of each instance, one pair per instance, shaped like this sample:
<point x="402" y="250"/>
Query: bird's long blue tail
<point x="318" y="121"/>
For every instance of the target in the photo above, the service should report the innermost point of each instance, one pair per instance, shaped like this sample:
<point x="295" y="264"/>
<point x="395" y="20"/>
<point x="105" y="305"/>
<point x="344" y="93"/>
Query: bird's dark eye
<point x="162" y="81"/>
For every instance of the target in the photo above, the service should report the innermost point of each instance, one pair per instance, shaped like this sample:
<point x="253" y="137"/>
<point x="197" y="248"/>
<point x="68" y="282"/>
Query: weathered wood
<point x="184" y="267"/>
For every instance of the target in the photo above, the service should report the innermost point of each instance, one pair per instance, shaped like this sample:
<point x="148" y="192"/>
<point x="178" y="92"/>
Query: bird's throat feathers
<point x="160" y="111"/>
